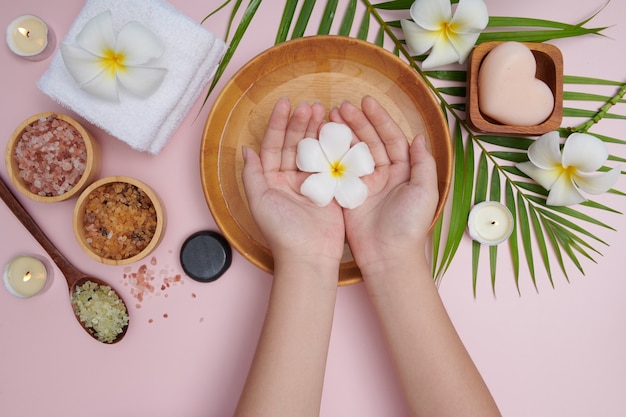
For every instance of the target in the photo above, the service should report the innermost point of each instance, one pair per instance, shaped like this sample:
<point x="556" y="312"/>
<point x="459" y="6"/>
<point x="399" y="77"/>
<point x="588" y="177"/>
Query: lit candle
<point x="490" y="223"/>
<point x="29" y="37"/>
<point x="25" y="276"/>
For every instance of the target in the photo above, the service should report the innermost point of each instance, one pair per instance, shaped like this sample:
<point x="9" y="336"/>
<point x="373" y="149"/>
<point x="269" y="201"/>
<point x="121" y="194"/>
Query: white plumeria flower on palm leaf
<point x="451" y="37"/>
<point x="102" y="60"/>
<point x="336" y="167"/>
<point x="565" y="174"/>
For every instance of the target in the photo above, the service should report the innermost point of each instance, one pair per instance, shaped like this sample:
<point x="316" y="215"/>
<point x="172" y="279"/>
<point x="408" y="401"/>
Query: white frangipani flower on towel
<point x="102" y="60"/>
<point x="564" y="174"/>
<point x="450" y="37"/>
<point x="336" y="167"/>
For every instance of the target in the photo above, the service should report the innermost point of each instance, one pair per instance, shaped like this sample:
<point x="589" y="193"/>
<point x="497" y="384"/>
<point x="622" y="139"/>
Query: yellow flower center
<point x="569" y="171"/>
<point x="337" y="169"/>
<point x="113" y="61"/>
<point x="448" y="30"/>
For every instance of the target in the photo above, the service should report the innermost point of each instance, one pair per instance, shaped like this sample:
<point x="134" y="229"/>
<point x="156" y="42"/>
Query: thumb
<point x="423" y="166"/>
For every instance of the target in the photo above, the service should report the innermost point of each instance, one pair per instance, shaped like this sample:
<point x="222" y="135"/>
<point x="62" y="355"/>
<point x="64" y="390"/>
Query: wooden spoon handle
<point x="69" y="271"/>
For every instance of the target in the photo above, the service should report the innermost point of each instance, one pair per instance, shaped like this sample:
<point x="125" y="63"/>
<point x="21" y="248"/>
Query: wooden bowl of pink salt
<point x="51" y="157"/>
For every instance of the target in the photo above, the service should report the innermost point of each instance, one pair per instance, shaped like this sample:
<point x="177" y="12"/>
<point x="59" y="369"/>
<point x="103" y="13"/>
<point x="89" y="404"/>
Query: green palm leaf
<point x="461" y="200"/>
<point x="541" y="242"/>
<point x="494" y="195"/>
<point x="524" y="226"/>
<point x="329" y="12"/>
<point x="480" y="193"/>
<point x="247" y="17"/>
<point x="285" y="21"/>
<point x="509" y="201"/>
<point x="552" y="230"/>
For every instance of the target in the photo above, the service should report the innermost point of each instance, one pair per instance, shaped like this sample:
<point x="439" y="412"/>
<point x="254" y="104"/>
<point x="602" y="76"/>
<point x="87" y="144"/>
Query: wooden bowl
<point x="91" y="167"/>
<point x="549" y="70"/>
<point x="93" y="231"/>
<point x="329" y="69"/>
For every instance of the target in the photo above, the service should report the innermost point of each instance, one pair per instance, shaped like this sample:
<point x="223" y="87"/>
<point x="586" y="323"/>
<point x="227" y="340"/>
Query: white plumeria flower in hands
<point x="451" y="37"/>
<point x="102" y="60"/>
<point x="565" y="173"/>
<point x="336" y="167"/>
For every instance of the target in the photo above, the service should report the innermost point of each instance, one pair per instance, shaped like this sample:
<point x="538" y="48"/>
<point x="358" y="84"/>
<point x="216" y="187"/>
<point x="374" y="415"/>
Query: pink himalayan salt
<point x="51" y="156"/>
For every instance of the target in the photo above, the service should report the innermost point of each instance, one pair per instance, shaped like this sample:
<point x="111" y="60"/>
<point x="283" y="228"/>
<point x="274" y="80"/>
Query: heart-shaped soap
<point x="508" y="91"/>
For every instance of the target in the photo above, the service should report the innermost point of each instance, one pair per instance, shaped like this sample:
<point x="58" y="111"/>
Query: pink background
<point x="551" y="352"/>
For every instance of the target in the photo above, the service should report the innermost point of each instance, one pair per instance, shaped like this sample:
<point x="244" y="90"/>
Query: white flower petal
<point x="141" y="81"/>
<point x="351" y="191"/>
<point x="138" y="44"/>
<point x="97" y="36"/>
<point x="564" y="193"/>
<point x="335" y="141"/>
<point x="545" y="152"/>
<point x="431" y="14"/>
<point x="83" y="66"/>
<point x="585" y="152"/>
<point x="310" y="156"/>
<point x="358" y="161"/>
<point x="103" y="86"/>
<point x="417" y="39"/>
<point x="463" y="44"/>
<point x="470" y="16"/>
<point x="319" y="188"/>
<point x="597" y="182"/>
<point x="443" y="53"/>
<point x="544" y="177"/>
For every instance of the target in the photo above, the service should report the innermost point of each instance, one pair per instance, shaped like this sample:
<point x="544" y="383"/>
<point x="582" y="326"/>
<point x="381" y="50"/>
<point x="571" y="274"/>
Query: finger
<point x="252" y="175"/>
<point x="392" y="136"/>
<point x="335" y="116"/>
<point x="296" y="131"/>
<point x="423" y="166"/>
<point x="318" y="111"/>
<point x="365" y="131"/>
<point x="274" y="139"/>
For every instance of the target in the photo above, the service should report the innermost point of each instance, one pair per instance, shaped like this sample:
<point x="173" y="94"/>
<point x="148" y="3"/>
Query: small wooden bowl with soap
<point x="118" y="220"/>
<point x="51" y="157"/>
<point x="515" y="88"/>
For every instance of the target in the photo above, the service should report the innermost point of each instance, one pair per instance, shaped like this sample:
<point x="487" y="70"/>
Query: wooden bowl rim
<point x="210" y="152"/>
<point x="92" y="164"/>
<point x="78" y="217"/>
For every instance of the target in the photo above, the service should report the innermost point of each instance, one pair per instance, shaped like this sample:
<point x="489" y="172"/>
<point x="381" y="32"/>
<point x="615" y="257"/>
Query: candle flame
<point x="24" y="31"/>
<point x="27" y="276"/>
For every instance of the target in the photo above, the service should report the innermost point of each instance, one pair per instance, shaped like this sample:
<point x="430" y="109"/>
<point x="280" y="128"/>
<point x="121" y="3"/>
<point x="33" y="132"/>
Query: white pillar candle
<point x="490" y="223"/>
<point x="25" y="276"/>
<point x="29" y="37"/>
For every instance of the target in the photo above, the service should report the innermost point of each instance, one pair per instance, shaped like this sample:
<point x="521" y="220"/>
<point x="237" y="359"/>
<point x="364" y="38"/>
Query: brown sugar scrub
<point x="119" y="220"/>
<point x="51" y="156"/>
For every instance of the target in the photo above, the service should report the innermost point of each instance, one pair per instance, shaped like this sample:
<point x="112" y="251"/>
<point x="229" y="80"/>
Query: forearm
<point x="436" y="372"/>
<point x="287" y="372"/>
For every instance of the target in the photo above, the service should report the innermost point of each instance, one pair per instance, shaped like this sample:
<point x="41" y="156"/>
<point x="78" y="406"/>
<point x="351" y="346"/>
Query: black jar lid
<point x="205" y="256"/>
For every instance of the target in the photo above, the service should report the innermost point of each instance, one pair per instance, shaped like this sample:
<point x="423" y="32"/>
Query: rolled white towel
<point x="191" y="57"/>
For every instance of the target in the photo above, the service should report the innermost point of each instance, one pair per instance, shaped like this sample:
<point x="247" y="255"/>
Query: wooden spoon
<point x="73" y="276"/>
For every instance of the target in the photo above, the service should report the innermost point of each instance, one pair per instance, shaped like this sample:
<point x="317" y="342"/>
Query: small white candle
<point x="25" y="276"/>
<point x="29" y="37"/>
<point x="490" y="223"/>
